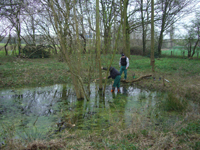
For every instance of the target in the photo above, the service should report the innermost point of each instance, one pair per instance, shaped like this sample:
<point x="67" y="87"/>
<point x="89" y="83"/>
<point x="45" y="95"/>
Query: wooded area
<point x="75" y="27"/>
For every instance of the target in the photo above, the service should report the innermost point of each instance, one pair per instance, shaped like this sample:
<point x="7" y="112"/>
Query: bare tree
<point x="108" y="14"/>
<point x="192" y="38"/>
<point x="11" y="10"/>
<point x="13" y="13"/>
<point x="62" y="11"/>
<point x="169" y="12"/>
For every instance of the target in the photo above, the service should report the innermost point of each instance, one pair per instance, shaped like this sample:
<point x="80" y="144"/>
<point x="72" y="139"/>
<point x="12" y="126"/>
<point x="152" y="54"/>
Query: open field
<point x="178" y="53"/>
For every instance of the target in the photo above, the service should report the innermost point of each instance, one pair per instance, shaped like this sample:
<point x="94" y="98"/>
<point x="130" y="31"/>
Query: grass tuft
<point x="174" y="103"/>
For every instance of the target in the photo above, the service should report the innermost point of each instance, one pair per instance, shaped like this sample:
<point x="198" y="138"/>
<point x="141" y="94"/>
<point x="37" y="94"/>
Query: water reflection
<point x="58" y="104"/>
<point x="56" y="107"/>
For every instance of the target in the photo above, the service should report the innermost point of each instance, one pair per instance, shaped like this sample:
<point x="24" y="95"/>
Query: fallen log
<point x="135" y="80"/>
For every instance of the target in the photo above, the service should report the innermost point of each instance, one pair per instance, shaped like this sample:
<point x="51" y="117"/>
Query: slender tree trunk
<point x="18" y="29"/>
<point x="126" y="37"/>
<point x="107" y="40"/>
<point x="193" y="51"/>
<point x="33" y="29"/>
<point x="124" y="27"/>
<point x="83" y="30"/>
<point x="171" y="35"/>
<point x="19" y="32"/>
<point x="98" y="43"/>
<point x="152" y="35"/>
<point x="160" y="41"/>
<point x="6" y="51"/>
<point x="143" y="29"/>
<point x="78" y="50"/>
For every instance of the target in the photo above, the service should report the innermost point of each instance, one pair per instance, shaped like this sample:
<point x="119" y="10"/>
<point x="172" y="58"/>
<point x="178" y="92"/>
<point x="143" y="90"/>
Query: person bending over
<point x="114" y="74"/>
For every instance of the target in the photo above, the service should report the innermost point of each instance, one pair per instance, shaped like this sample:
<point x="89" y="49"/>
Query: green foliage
<point x="192" y="127"/>
<point x="131" y="136"/>
<point x="144" y="132"/>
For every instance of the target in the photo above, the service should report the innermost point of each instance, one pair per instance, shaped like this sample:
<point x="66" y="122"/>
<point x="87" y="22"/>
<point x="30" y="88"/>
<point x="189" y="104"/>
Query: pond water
<point x="36" y="112"/>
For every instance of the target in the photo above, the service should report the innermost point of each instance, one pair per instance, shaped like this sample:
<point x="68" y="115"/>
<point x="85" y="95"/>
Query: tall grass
<point x="174" y="103"/>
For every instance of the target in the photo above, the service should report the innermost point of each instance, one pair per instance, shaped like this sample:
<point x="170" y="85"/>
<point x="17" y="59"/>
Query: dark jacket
<point x="123" y="61"/>
<point x="113" y="72"/>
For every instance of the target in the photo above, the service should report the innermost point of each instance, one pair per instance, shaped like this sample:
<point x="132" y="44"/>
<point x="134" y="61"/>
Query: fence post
<point x="183" y="54"/>
<point x="171" y="53"/>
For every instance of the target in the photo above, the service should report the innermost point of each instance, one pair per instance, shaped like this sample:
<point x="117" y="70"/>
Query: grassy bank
<point x="182" y="75"/>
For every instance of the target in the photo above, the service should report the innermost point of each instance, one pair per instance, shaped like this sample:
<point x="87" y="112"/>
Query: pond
<point x="34" y="113"/>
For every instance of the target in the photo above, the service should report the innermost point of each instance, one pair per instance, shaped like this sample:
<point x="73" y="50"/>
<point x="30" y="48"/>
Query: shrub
<point x="39" y="51"/>
<point x="136" y="50"/>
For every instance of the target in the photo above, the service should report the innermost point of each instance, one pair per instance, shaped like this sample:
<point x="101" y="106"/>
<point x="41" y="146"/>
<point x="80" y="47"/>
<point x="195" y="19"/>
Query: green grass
<point x="23" y="72"/>
<point x="20" y="72"/>
<point x="164" y="65"/>
<point x="191" y="128"/>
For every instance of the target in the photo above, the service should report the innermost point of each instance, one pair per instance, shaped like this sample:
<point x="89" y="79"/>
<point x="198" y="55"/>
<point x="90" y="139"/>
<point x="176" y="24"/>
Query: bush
<point x="136" y="50"/>
<point x="156" y="55"/>
<point x="39" y="51"/>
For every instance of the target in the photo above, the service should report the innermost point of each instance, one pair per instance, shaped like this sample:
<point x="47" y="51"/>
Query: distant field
<point x="9" y="47"/>
<point x="178" y="52"/>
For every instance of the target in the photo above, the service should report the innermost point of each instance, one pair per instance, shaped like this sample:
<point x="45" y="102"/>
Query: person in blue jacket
<point x="114" y="74"/>
<point x="124" y="63"/>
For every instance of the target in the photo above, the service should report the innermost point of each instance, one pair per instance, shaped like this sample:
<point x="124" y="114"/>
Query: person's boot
<point x="118" y="90"/>
<point x="113" y="89"/>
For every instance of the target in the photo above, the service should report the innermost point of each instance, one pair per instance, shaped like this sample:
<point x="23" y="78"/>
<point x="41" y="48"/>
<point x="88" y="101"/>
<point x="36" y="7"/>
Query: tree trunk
<point x="160" y="41"/>
<point x="98" y="44"/>
<point x="78" y="50"/>
<point x="143" y="29"/>
<point x="19" y="32"/>
<point x="107" y="40"/>
<point x="6" y="51"/>
<point x="126" y="37"/>
<point x="152" y="35"/>
<point x="193" y="52"/>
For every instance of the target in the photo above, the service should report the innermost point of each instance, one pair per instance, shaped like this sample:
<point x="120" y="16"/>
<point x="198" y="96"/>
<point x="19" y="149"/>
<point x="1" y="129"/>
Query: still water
<point x="39" y="111"/>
